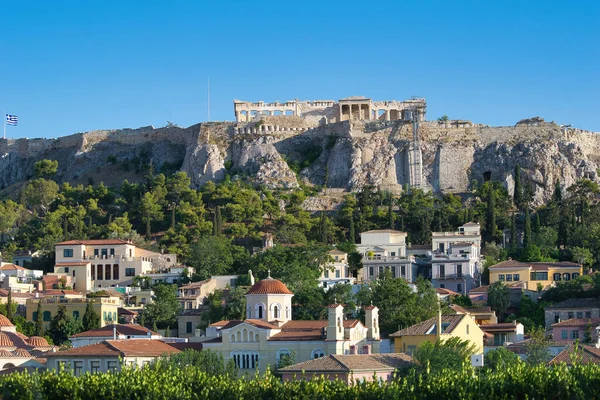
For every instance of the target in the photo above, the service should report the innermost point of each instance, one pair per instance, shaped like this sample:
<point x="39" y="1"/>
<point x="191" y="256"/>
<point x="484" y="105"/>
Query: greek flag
<point x="12" y="120"/>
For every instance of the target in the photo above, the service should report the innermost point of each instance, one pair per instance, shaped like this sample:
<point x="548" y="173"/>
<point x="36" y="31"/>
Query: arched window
<point x="557" y="276"/>
<point x="256" y="338"/>
<point x="566" y="276"/>
<point x="317" y="353"/>
<point x="275" y="312"/>
<point x="281" y="353"/>
<point x="575" y="275"/>
<point x="260" y="312"/>
<point x="232" y="338"/>
<point x="287" y="312"/>
<point x="245" y="335"/>
<point x="339" y="323"/>
<point x="238" y="336"/>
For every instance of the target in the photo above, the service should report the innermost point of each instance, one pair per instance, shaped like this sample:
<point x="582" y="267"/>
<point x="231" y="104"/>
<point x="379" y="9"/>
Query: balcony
<point x="451" y="276"/>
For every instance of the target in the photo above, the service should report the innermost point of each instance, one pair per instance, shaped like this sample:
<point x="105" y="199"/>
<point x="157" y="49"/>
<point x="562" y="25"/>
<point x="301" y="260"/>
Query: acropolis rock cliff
<point x="341" y="146"/>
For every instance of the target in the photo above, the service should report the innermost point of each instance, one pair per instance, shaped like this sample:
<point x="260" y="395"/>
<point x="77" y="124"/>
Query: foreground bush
<point x="520" y="381"/>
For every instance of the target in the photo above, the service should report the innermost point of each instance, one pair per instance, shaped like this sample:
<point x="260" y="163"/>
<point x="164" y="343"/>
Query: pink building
<point x="348" y="368"/>
<point x="575" y="328"/>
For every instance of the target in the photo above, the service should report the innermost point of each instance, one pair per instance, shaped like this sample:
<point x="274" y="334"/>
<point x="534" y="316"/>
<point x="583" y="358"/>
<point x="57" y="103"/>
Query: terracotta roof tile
<point x="93" y="242"/>
<point x="306" y="330"/>
<point x="10" y="267"/>
<point x="429" y="326"/>
<point x="512" y="326"/>
<point x="579" y="322"/>
<point x="577" y="303"/>
<point x="354" y="362"/>
<point x="120" y="348"/>
<point x="585" y="355"/>
<point x="4" y="321"/>
<point x="269" y="286"/>
<point x="122" y="329"/>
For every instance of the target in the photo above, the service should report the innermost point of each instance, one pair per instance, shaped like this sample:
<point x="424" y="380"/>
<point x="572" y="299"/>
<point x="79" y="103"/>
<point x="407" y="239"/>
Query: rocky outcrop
<point x="339" y="156"/>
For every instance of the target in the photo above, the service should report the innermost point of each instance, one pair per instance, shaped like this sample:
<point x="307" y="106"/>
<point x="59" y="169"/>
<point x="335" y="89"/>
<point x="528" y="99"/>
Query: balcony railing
<point x="386" y="258"/>
<point x="451" y="276"/>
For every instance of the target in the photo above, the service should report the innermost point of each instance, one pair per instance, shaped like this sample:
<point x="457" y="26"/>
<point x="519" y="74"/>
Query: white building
<point x="469" y="232"/>
<point x="385" y="249"/>
<point x="268" y="332"/>
<point x="106" y="262"/>
<point x="113" y="332"/>
<point x="457" y="269"/>
<point x="336" y="271"/>
<point x="18" y="279"/>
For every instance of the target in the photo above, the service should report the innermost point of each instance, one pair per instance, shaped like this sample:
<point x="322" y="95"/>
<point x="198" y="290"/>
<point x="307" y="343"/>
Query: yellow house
<point x="106" y="307"/>
<point x="453" y="325"/>
<point x="530" y="275"/>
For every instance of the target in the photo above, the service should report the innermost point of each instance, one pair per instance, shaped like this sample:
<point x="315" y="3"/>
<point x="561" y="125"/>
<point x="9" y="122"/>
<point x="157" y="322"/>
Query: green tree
<point x="450" y="354"/>
<point x="536" y="349"/>
<point x="9" y="309"/>
<point x="164" y="309"/>
<point x="514" y="240"/>
<point x="501" y="359"/>
<point x="462" y="300"/>
<point x="217" y="222"/>
<point x="527" y="228"/>
<point x="214" y="255"/>
<point x="39" y="322"/>
<point x="45" y="168"/>
<point x="490" y="220"/>
<point x="518" y="190"/>
<point x="62" y="326"/>
<point x="39" y="193"/>
<point x="150" y="210"/>
<point x="499" y="297"/>
<point x="209" y="362"/>
<point x="582" y="256"/>
<point x="91" y="319"/>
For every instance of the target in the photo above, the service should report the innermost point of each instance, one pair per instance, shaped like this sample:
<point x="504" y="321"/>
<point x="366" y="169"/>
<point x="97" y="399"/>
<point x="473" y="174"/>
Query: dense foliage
<point x="516" y="381"/>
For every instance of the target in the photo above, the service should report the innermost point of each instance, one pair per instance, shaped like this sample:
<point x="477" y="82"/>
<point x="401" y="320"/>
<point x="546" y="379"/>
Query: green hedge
<point x="522" y="381"/>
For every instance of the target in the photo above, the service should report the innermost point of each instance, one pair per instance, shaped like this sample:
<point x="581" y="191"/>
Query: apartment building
<point x="469" y="232"/>
<point x="457" y="268"/>
<point x="106" y="262"/>
<point x="336" y="271"/>
<point x="531" y="275"/>
<point x="105" y="307"/>
<point x="385" y="249"/>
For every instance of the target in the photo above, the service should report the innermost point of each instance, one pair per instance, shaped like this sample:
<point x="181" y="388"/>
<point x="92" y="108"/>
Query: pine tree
<point x="391" y="214"/>
<point x="39" y="321"/>
<point x="91" y="319"/>
<point x="9" y="309"/>
<point x="323" y="227"/>
<point x="527" y="229"/>
<point x="351" y="231"/>
<point x="518" y="195"/>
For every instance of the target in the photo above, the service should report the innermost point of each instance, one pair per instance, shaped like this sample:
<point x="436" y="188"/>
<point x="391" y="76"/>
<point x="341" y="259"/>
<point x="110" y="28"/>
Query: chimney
<point x="367" y="349"/>
<point x="335" y="322"/>
<point x="439" y="323"/>
<point x="372" y="322"/>
<point x="353" y="349"/>
<point x="114" y="332"/>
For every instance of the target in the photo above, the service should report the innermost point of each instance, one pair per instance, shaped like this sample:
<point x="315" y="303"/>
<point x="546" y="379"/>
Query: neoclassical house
<point x="269" y="332"/>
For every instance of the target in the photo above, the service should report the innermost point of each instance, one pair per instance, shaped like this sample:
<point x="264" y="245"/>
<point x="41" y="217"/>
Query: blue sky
<point x="73" y="66"/>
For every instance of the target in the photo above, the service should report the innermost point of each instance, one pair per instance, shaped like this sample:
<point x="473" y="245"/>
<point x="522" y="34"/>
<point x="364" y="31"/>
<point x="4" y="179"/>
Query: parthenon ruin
<point x="349" y="108"/>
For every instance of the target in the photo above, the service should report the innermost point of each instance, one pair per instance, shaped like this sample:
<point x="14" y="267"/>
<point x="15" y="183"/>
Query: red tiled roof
<point x="4" y="321"/>
<point x="122" y="329"/>
<point x="499" y="327"/>
<point x="353" y="362"/>
<point x="422" y="328"/>
<point x="5" y="340"/>
<point x="449" y="292"/>
<point x="480" y="289"/>
<point x="579" y="322"/>
<point x="182" y="346"/>
<point x="219" y="323"/>
<point x="306" y="330"/>
<point x="125" y="311"/>
<point x="57" y="292"/>
<point x="269" y="286"/>
<point x="585" y="355"/>
<point x="120" y="348"/>
<point x="8" y="267"/>
<point x="254" y="322"/>
<point x="93" y="242"/>
<point x="539" y="266"/>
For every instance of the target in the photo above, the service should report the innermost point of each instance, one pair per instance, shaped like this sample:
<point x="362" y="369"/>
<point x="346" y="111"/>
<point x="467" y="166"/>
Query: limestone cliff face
<point x="340" y="156"/>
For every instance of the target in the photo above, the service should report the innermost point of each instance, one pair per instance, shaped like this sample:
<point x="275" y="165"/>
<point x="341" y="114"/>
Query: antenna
<point x="208" y="93"/>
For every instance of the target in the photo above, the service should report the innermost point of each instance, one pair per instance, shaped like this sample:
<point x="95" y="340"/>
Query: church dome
<point x="269" y="286"/>
<point x="37" y="341"/>
<point x="21" y="353"/>
<point x="5" y="321"/>
<point x="5" y="340"/>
